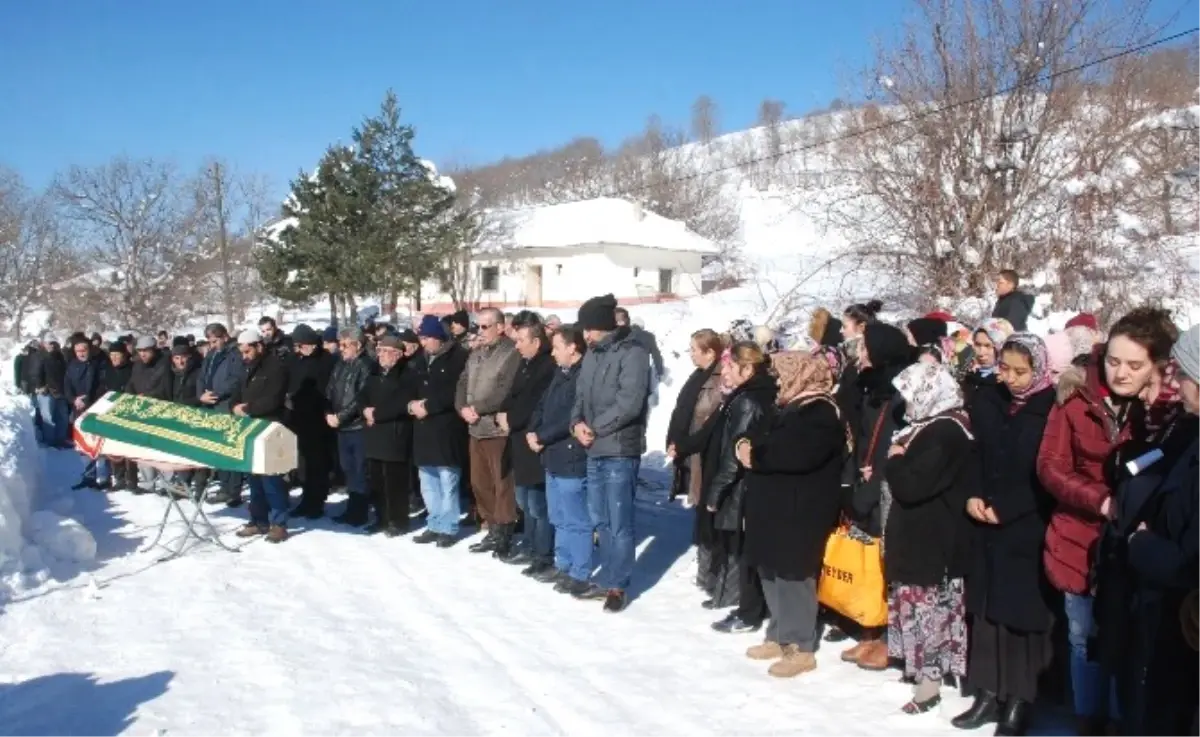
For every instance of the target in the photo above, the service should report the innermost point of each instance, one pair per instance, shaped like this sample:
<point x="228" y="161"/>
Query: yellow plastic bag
<point x="852" y="580"/>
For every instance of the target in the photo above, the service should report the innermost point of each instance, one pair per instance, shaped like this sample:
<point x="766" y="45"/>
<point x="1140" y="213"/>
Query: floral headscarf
<point x="832" y="356"/>
<point x="997" y="329"/>
<point x="928" y="390"/>
<point x="1060" y="352"/>
<point x="801" y="375"/>
<point x="726" y="358"/>
<point x="1039" y="362"/>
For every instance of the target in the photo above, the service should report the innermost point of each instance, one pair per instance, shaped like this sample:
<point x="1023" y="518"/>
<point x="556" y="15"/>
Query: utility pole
<point x="223" y="242"/>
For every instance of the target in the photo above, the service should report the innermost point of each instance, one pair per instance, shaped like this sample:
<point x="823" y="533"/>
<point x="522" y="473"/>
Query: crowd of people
<point x="1030" y="500"/>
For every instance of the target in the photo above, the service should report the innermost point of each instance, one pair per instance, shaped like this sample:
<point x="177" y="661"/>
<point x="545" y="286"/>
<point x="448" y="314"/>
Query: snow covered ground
<point x="335" y="632"/>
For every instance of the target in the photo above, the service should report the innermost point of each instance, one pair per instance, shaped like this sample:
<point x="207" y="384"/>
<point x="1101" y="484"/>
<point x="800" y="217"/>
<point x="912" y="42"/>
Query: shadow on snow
<point x="76" y="703"/>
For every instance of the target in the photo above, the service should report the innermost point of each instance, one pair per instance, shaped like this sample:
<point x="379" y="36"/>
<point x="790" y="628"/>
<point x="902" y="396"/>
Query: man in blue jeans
<point x="439" y="432"/>
<point x="263" y="393"/>
<point x="344" y="395"/>
<point x="609" y="419"/>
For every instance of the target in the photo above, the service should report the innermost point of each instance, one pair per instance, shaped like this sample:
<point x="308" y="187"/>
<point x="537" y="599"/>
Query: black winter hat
<point x="886" y="345"/>
<point x="927" y="330"/>
<point x="833" y="333"/>
<point x="408" y="336"/>
<point x="179" y="340"/>
<point x="304" y="335"/>
<point x="117" y="347"/>
<point x="461" y="318"/>
<point x="598" y="313"/>
<point x="181" y="349"/>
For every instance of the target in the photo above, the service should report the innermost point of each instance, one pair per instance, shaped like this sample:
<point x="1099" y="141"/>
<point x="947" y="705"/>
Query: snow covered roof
<point x="603" y="220"/>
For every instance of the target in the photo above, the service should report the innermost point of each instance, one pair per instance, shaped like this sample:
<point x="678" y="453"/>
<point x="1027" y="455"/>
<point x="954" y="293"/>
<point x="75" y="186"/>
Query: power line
<point x="1041" y="79"/>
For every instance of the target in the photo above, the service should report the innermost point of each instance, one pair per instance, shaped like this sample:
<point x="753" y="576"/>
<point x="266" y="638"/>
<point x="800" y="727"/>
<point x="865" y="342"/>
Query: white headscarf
<point x="929" y="390"/>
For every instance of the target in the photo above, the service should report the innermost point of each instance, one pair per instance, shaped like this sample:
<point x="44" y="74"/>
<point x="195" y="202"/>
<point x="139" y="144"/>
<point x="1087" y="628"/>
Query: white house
<point x="560" y="255"/>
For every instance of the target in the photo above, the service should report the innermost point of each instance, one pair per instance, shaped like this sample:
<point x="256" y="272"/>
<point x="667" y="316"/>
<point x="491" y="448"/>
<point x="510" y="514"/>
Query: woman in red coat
<point x="1091" y="420"/>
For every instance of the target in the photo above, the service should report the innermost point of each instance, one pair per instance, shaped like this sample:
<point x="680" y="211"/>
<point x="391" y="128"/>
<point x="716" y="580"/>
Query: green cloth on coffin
<point x="213" y="439"/>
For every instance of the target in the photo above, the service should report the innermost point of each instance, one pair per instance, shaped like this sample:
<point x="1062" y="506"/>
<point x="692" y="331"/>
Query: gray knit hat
<point x="1187" y="353"/>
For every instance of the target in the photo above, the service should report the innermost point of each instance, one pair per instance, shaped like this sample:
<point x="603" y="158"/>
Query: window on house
<point x="666" y="281"/>
<point x="444" y="284"/>
<point x="489" y="278"/>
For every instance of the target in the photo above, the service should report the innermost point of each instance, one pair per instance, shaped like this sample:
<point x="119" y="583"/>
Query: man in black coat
<point x="534" y="373"/>
<point x="150" y="377"/>
<point x="114" y="377"/>
<point x="1011" y="303"/>
<point x="49" y="371"/>
<point x="344" y="415"/>
<point x="221" y="372"/>
<point x="262" y="393"/>
<point x="387" y="439"/>
<point x="81" y="387"/>
<point x="273" y="338"/>
<point x="185" y="375"/>
<point x="308" y="381"/>
<point x="439" y="433"/>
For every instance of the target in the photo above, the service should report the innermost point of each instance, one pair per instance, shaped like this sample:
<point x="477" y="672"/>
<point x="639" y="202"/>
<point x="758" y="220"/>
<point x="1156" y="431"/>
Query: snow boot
<point x="793" y="663"/>
<point x="549" y="575"/>
<point x="874" y="656"/>
<point x="446" y="541"/>
<point x="277" y="534"/>
<point x="355" y="514"/>
<point x="984" y="710"/>
<point x="488" y="543"/>
<point x="765" y="650"/>
<point x="252" y="530"/>
<point x="504" y="542"/>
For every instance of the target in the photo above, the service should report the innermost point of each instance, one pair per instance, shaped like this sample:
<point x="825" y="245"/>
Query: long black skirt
<point x="1007" y="662"/>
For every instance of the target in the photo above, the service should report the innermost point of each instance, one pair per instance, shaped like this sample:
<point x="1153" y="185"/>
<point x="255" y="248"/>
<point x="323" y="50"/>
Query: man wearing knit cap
<point x="308" y="380"/>
<point x="609" y="419"/>
<point x="439" y="433"/>
<point x="150" y="377"/>
<point x="1187" y="355"/>
<point x="459" y="325"/>
<point x="482" y="389"/>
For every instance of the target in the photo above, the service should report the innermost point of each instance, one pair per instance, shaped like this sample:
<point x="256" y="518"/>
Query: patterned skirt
<point x="927" y="629"/>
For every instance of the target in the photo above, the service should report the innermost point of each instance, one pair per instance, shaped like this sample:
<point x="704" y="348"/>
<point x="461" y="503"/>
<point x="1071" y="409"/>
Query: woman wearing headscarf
<point x="985" y="344"/>
<point x="1008" y="597"/>
<point x="794" y="464"/>
<point x="877" y="413"/>
<point x="929" y="474"/>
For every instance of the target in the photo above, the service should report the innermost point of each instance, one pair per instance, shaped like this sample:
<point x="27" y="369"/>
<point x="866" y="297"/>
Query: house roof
<point x="603" y="220"/>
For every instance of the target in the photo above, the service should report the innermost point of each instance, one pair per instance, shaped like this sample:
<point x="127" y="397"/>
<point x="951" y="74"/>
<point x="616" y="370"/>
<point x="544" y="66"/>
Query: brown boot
<point x="793" y="663"/>
<point x="765" y="651"/>
<point x="853" y="654"/>
<point x="277" y="534"/>
<point x="874" y="657"/>
<point x="252" y="530"/>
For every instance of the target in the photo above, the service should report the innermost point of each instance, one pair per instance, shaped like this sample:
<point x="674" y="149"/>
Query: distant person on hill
<point x="1011" y="303"/>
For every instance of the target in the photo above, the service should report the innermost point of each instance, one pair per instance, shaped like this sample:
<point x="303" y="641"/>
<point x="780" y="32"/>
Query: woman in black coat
<point x="875" y="414"/>
<point x="753" y="393"/>
<point x="1008" y="597"/>
<point x="792" y="499"/>
<point x="387" y="438"/>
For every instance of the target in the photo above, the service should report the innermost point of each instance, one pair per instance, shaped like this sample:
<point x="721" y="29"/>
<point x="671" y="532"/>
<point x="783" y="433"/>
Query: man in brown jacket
<point x="482" y="390"/>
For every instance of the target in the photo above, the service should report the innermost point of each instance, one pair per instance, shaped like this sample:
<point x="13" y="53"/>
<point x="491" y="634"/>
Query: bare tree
<point x="705" y="122"/>
<point x="137" y="221"/>
<point x="983" y="119"/>
<point x="33" y="252"/>
<point x="770" y="117"/>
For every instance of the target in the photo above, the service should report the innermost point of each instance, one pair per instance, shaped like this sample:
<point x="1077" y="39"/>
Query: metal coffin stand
<point x="199" y="529"/>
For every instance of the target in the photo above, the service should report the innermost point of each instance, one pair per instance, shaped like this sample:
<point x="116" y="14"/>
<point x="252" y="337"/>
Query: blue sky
<point x="267" y="84"/>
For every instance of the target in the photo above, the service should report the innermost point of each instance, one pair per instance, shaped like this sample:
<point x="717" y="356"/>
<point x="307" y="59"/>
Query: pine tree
<point x="410" y="205"/>
<point x="325" y="250"/>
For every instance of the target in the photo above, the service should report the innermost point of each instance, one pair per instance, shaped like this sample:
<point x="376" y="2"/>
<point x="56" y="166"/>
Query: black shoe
<point x="516" y="556"/>
<point x="588" y="591"/>
<point x="536" y="568"/>
<point x="709" y="604"/>
<point x="488" y="543"/>
<point x="84" y="483"/>
<point x="234" y="502"/>
<point x="984" y="710"/>
<point x="314" y="512"/>
<point x="1015" y="718"/>
<point x="394" y="531"/>
<point x="375" y="528"/>
<point x="504" y="541"/>
<point x="355" y="514"/>
<point x="446" y="541"/>
<point x="549" y="575"/>
<point x="836" y="634"/>
<point x="427" y="536"/>
<point x="734" y="624"/>
<point x="614" y="601"/>
<point x="117" y="485"/>
<point x="579" y="589"/>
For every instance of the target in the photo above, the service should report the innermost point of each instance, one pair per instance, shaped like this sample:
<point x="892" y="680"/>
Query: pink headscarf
<point x="1061" y="352"/>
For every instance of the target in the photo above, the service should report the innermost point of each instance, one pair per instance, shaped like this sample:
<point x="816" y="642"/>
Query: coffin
<point x="173" y="435"/>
